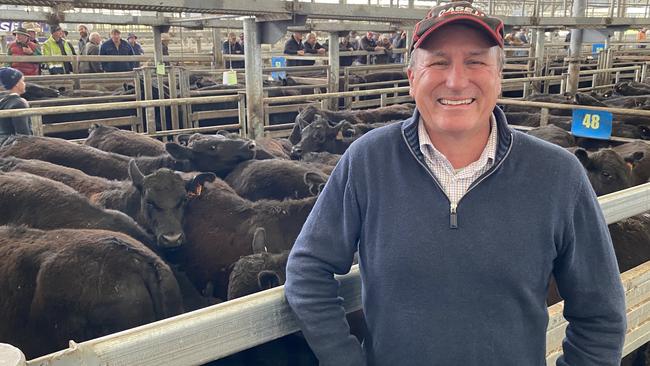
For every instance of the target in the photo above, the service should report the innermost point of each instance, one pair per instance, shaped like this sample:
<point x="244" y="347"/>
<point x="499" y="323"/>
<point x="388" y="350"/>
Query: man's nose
<point x="457" y="77"/>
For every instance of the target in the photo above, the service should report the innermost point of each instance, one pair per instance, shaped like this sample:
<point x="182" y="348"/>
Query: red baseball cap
<point x="458" y="11"/>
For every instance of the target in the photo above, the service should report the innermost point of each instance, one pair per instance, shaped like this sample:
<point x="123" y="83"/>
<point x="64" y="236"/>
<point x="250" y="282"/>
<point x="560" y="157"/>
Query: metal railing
<point x="221" y="330"/>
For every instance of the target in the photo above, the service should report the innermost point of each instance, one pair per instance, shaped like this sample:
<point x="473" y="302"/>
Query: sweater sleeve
<point x="589" y="281"/>
<point x="291" y="47"/>
<point x="325" y="247"/>
<point x="21" y="125"/>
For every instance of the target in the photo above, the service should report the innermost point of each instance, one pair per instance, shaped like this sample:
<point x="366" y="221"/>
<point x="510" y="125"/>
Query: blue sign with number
<point x="592" y="124"/>
<point x="597" y="47"/>
<point x="279" y="61"/>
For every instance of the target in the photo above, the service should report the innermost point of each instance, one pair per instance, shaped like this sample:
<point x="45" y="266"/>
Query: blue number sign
<point x="597" y="47"/>
<point x="593" y="124"/>
<point x="279" y="61"/>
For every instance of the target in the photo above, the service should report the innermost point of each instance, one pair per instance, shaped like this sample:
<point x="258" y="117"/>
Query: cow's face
<point x="163" y="196"/>
<point x="35" y="91"/>
<point x="216" y="154"/>
<point x="319" y="135"/>
<point x="607" y="171"/>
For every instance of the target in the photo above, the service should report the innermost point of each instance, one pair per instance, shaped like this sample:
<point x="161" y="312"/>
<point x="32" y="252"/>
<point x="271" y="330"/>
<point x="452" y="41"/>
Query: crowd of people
<point x="371" y="42"/>
<point x="26" y="43"/>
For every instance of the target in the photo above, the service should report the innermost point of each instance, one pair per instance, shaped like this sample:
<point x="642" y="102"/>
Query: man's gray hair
<point x="413" y="60"/>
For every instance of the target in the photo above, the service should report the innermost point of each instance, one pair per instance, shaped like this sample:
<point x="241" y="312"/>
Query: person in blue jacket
<point x="116" y="46"/>
<point x="459" y="222"/>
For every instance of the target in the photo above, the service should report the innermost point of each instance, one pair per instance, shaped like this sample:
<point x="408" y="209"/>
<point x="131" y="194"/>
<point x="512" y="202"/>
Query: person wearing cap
<point x="137" y="47"/>
<point x="83" y="37"/>
<point x="22" y="46"/>
<point x="232" y="47"/>
<point x="56" y="45"/>
<point x="14" y="82"/>
<point x="459" y="221"/>
<point x="116" y="46"/>
<point x="91" y="49"/>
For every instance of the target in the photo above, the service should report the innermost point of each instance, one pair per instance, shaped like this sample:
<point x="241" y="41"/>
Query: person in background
<point x="23" y="46"/>
<point x="456" y="233"/>
<point x="294" y="46"/>
<point x="385" y="43"/>
<point x="83" y="37"/>
<point x="116" y="46"/>
<point x="65" y="38"/>
<point x="368" y="43"/>
<point x="312" y="47"/>
<point x="241" y="39"/>
<point x="165" y="38"/>
<point x="91" y="49"/>
<point x="14" y="82"/>
<point x="232" y="47"/>
<point x="56" y="45"/>
<point x="641" y="37"/>
<point x="137" y="48"/>
<point x="354" y="40"/>
<point x="345" y="46"/>
<point x="399" y="42"/>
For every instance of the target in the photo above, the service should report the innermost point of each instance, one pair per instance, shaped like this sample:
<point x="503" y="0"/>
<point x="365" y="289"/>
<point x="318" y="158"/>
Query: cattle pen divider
<point x="221" y="330"/>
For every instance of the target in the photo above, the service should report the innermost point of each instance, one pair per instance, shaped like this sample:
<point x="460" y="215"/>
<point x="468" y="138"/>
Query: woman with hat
<point x="14" y="82"/>
<point x="23" y="46"/>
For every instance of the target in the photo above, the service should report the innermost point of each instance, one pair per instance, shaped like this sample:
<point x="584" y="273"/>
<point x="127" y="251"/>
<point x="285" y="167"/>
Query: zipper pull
<point x="453" y="216"/>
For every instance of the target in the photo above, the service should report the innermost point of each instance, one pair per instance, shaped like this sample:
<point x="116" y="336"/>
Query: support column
<point x="158" y="60"/>
<point x="575" y="47"/>
<point x="254" y="93"/>
<point x="217" y="52"/>
<point x="333" y="82"/>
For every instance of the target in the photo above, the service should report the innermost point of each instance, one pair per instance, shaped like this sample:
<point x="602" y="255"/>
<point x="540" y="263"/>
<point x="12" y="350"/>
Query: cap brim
<point x="464" y="19"/>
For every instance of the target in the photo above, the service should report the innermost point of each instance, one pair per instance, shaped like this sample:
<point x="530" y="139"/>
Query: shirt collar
<point x="488" y="154"/>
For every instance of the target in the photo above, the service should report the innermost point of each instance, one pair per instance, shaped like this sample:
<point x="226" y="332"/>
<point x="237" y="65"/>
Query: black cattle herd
<point x="124" y="229"/>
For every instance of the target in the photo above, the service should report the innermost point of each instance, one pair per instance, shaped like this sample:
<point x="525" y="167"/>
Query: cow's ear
<point x="259" y="241"/>
<point x="296" y="134"/>
<point x="633" y="159"/>
<point x="195" y="186"/>
<point x="583" y="156"/>
<point x="314" y="181"/>
<point x="268" y="279"/>
<point x="136" y="175"/>
<point x="179" y="152"/>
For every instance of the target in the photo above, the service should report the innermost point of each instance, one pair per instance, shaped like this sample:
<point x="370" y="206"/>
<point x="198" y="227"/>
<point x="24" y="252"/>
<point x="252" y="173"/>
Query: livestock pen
<point x="221" y="330"/>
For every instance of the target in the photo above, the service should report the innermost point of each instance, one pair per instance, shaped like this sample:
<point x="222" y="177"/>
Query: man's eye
<point x="476" y="62"/>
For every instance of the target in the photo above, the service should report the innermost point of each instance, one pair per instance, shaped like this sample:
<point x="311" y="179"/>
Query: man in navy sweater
<point x="459" y="222"/>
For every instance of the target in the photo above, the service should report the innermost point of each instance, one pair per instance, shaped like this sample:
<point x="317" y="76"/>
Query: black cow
<point x="129" y="143"/>
<point x="78" y="284"/>
<point x="631" y="151"/>
<point x="36" y="92"/>
<point x="220" y="227"/>
<point x="156" y="201"/>
<point x="219" y="156"/>
<point x="275" y="179"/>
<point x="607" y="171"/>
<point x="27" y="199"/>
<point x="554" y="135"/>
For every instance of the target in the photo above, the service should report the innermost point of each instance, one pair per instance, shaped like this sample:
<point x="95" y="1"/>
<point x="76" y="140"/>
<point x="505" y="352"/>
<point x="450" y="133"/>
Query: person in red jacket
<point x="23" y="46"/>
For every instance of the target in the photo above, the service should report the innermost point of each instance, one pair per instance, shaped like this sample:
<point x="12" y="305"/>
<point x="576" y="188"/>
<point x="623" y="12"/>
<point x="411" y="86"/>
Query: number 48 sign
<point x="593" y="124"/>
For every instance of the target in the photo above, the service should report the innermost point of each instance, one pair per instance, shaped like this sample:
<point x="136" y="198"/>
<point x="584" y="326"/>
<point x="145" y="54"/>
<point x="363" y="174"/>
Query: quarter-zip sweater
<point x="471" y="295"/>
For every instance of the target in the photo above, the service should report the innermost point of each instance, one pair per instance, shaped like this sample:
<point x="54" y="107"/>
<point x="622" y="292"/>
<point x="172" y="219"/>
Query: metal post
<point x="137" y="81"/>
<point x="539" y="56"/>
<point x="37" y="127"/>
<point x="173" y="85"/>
<point x="579" y="7"/>
<point x="543" y="120"/>
<point x="409" y="40"/>
<point x="253" y="59"/>
<point x="241" y="109"/>
<point x="158" y="60"/>
<point x="644" y="71"/>
<point x="148" y="95"/>
<point x="611" y="9"/>
<point x="333" y="82"/>
<point x="217" y="52"/>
